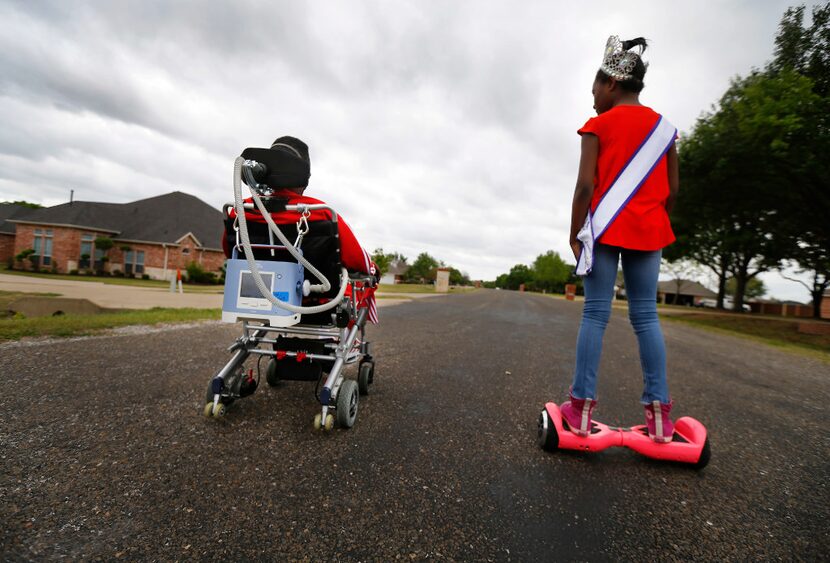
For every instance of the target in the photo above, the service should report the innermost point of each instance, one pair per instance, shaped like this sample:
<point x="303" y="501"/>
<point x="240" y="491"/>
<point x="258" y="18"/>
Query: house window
<point x="185" y="251"/>
<point x="87" y="244"/>
<point x="99" y="258"/>
<point x="134" y="262"/>
<point x="42" y="245"/>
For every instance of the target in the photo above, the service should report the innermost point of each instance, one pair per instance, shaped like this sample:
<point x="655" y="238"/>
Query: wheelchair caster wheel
<point x="364" y="377"/>
<point x="208" y="410"/>
<point x="318" y="425"/>
<point x="219" y="410"/>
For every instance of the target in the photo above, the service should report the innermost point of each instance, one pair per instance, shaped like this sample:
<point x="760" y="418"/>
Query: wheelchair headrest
<point x="285" y="166"/>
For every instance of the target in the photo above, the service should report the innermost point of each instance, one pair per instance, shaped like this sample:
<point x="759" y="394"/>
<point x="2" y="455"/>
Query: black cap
<point x="287" y="143"/>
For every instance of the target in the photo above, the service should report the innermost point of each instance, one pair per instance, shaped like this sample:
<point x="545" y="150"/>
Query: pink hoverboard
<point x="689" y="443"/>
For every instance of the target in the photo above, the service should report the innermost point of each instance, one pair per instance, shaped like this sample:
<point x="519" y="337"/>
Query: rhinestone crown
<point x="617" y="62"/>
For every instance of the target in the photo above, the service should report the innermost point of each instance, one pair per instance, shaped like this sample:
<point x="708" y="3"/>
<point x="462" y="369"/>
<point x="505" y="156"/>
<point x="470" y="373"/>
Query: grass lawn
<point x="80" y="325"/>
<point x="416" y="288"/>
<point x="778" y="332"/>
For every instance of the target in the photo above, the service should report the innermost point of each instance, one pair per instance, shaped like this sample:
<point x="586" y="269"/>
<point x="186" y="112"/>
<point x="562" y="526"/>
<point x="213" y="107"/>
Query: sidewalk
<point x="130" y="297"/>
<point x="112" y="296"/>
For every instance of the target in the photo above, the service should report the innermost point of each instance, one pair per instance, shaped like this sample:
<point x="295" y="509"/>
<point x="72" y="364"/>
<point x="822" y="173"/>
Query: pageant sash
<point x="629" y="180"/>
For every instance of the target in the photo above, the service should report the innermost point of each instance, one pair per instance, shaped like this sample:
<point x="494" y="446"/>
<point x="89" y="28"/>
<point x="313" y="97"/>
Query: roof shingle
<point x="160" y="219"/>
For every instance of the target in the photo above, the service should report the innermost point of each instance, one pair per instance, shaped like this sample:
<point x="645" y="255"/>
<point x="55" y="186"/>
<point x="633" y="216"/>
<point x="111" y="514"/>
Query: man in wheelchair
<point x="289" y="183"/>
<point x="307" y="345"/>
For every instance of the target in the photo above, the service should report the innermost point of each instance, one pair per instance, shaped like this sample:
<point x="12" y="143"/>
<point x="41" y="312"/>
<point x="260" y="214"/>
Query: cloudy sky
<point x="438" y="126"/>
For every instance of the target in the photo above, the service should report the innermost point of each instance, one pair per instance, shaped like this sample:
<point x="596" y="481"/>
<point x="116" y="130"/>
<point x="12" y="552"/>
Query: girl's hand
<point x="576" y="247"/>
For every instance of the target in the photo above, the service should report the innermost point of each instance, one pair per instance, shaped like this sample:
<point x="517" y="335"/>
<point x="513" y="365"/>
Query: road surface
<point x="105" y="454"/>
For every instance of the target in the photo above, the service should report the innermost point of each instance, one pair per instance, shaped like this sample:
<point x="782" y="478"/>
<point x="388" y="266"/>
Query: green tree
<point x="518" y="275"/>
<point x="805" y="52"/>
<point x="25" y="204"/>
<point x="754" y="170"/>
<point x="383" y="260"/>
<point x="551" y="272"/>
<point x="457" y="277"/>
<point x="754" y="288"/>
<point x="422" y="269"/>
<point x="733" y="213"/>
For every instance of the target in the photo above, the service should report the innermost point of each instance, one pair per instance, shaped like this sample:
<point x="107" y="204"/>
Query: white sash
<point x="622" y="190"/>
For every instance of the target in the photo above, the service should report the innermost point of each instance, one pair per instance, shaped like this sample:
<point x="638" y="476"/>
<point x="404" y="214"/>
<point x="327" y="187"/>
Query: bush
<point x="118" y="273"/>
<point x="73" y="272"/>
<point x="145" y="276"/>
<point x="197" y="274"/>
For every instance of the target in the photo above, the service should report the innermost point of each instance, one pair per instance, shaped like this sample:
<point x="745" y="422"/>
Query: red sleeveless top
<point x="643" y="224"/>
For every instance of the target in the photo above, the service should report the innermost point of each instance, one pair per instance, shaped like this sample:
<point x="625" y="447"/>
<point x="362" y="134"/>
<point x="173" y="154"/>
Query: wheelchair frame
<point x="344" y="339"/>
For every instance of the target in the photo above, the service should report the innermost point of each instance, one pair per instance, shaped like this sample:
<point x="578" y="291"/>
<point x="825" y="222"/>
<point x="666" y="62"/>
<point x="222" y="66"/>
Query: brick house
<point x="153" y="236"/>
<point x="395" y="272"/>
<point x="9" y="211"/>
<point x="682" y="292"/>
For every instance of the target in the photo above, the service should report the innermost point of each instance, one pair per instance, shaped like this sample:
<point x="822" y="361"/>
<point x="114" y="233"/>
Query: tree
<point x="551" y="272"/>
<point x="754" y="288"/>
<point x="733" y="211"/>
<point x="422" y="269"/>
<point x="805" y="52"/>
<point x="384" y="260"/>
<point x="754" y="169"/>
<point x="457" y="277"/>
<point x="518" y="275"/>
<point x="22" y="203"/>
<point x="820" y="279"/>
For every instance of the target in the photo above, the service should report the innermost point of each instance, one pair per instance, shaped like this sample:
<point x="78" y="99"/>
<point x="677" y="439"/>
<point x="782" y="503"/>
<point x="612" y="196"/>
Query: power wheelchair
<point x="269" y="292"/>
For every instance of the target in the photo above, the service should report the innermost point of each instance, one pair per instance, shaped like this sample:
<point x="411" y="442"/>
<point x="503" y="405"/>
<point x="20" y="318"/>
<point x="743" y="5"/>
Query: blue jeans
<point x="640" y="270"/>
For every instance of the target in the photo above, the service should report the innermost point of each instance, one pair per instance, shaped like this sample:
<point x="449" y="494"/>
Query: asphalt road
<point x="105" y="454"/>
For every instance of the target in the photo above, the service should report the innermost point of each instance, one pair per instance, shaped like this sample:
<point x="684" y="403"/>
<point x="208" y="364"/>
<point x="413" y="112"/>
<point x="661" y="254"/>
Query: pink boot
<point x="577" y="413"/>
<point x="659" y="422"/>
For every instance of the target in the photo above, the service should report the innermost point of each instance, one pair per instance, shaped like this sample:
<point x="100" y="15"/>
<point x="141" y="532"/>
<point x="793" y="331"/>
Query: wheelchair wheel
<point x="271" y="375"/>
<point x="364" y="377"/>
<point x="347" y="400"/>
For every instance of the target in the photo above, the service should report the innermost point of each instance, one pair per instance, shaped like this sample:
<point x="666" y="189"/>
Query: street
<point x="105" y="453"/>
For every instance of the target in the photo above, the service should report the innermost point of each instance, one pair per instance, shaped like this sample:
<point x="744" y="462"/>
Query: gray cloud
<point x="440" y="126"/>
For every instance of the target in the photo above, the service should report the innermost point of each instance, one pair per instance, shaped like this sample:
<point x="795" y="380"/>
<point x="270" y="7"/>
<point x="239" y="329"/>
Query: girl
<point x="626" y="166"/>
